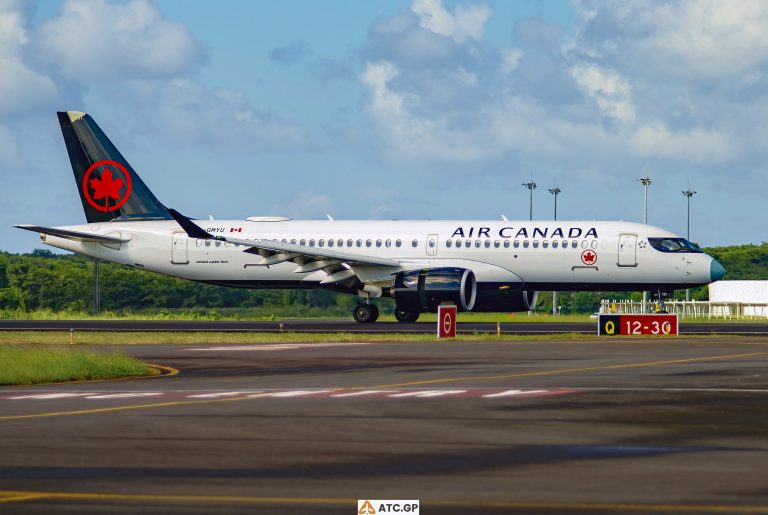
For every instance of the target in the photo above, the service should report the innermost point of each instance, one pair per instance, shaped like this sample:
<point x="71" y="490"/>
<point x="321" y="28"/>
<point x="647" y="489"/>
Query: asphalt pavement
<point x="573" y="426"/>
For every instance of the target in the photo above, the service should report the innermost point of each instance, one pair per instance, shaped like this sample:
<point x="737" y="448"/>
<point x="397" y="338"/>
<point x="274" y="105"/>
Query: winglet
<point x="191" y="228"/>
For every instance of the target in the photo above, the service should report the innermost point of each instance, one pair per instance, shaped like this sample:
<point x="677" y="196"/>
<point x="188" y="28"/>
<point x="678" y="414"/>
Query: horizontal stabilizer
<point x="72" y="235"/>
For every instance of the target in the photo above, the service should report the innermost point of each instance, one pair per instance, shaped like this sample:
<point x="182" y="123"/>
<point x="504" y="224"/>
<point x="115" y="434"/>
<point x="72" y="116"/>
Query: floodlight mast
<point x="645" y="181"/>
<point x="531" y="186"/>
<point x="688" y="194"/>
<point x="555" y="191"/>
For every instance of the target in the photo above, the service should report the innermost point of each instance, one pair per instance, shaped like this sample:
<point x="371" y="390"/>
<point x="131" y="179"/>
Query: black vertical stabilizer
<point x="112" y="189"/>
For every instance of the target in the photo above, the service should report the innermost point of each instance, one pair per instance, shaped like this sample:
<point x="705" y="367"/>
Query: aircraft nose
<point x="716" y="270"/>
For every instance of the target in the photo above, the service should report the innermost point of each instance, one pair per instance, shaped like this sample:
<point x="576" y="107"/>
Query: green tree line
<point x="56" y="282"/>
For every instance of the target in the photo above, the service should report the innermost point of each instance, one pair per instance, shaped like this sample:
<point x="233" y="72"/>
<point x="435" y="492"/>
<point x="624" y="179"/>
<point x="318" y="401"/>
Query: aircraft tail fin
<point x="109" y="187"/>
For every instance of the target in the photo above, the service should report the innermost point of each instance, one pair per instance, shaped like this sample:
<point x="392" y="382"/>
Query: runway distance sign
<point x="446" y="321"/>
<point x="659" y="324"/>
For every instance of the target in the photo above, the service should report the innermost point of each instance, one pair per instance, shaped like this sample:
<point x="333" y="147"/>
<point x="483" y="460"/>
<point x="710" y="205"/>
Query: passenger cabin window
<point x="415" y="243"/>
<point x="496" y="243"/>
<point x="321" y="243"/>
<point x="388" y="243"/>
<point x="554" y="244"/>
<point x="545" y="244"/>
<point x="349" y="243"/>
<point x="359" y="243"/>
<point x="368" y="243"/>
<point x="398" y="243"/>
<point x="525" y="244"/>
<point x="330" y="243"/>
<point x="468" y="243"/>
<point x="311" y="243"/>
<point x="448" y="243"/>
<point x="506" y="244"/>
<point x="303" y="242"/>
<point x="535" y="244"/>
<point x="378" y="243"/>
<point x="674" y="245"/>
<point x="517" y="244"/>
<point x="487" y="244"/>
<point x="477" y="244"/>
<point x="574" y="244"/>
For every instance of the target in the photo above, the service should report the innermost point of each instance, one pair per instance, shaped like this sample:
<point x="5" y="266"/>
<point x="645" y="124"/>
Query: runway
<point x="349" y="326"/>
<point x="566" y="426"/>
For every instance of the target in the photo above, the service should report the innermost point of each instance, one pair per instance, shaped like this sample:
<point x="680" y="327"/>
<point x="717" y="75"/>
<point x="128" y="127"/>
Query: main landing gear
<point x="403" y="315"/>
<point x="366" y="313"/>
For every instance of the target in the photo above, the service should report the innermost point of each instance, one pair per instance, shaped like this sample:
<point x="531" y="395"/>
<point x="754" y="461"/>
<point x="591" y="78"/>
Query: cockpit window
<point x="673" y="245"/>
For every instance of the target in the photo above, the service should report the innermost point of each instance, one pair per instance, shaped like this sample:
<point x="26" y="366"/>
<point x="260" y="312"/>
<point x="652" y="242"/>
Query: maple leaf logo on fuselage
<point x="106" y="187"/>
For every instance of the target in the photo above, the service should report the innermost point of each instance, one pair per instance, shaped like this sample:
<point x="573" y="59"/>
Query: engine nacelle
<point x="506" y="300"/>
<point x="424" y="290"/>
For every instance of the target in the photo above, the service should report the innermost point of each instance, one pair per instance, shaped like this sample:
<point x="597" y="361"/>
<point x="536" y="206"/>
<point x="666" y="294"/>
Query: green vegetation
<point x="228" y="338"/>
<point x="23" y="364"/>
<point x="43" y="285"/>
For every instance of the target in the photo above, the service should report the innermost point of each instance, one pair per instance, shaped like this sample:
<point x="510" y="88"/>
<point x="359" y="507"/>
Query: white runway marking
<point x="124" y="395"/>
<point x="428" y="393"/>
<point x="509" y="393"/>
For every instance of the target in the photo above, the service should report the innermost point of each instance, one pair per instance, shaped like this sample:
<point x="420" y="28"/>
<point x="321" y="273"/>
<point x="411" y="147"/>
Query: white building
<point x="750" y="296"/>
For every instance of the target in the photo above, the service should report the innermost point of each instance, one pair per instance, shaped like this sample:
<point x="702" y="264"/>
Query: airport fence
<point x="690" y="309"/>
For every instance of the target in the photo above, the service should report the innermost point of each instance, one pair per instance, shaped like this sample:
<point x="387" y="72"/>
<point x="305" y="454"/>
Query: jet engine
<point x="423" y="290"/>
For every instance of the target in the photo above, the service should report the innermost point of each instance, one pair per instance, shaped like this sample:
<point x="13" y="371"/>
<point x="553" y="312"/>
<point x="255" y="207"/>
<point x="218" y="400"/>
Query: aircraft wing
<point x="338" y="266"/>
<point x="72" y="235"/>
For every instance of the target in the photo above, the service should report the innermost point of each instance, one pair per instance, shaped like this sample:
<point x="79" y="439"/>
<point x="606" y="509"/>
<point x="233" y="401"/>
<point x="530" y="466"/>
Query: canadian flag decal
<point x="235" y="229"/>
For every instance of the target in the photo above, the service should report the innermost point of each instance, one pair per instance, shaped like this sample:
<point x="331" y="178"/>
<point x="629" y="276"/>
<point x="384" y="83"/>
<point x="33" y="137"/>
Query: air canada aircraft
<point x="485" y="266"/>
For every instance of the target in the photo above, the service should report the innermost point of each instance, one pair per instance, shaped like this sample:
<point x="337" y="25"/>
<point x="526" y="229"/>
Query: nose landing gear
<point x="366" y="313"/>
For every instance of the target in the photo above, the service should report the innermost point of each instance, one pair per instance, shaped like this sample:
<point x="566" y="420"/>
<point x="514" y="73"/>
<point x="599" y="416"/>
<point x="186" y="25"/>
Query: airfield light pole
<point x="555" y="191"/>
<point x="688" y="194"/>
<point x="531" y="186"/>
<point x="96" y="289"/>
<point x="645" y="181"/>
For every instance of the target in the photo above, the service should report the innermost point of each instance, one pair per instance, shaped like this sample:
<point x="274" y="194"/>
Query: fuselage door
<point x="432" y="245"/>
<point x="627" y="250"/>
<point x="179" y="249"/>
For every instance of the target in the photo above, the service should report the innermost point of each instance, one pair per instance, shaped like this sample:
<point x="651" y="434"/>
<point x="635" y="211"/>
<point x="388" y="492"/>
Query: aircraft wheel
<point x="403" y="315"/>
<point x="365" y="313"/>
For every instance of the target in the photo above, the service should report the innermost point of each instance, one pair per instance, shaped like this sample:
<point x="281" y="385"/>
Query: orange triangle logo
<point x="367" y="509"/>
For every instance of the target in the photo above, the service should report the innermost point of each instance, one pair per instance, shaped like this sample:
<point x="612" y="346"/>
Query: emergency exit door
<point x="179" y="249"/>
<point x="627" y="250"/>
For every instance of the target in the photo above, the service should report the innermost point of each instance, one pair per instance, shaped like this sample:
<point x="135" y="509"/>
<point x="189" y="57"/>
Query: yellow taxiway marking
<point x="570" y="370"/>
<point x="119" y="408"/>
<point x="21" y="496"/>
<point x="393" y="385"/>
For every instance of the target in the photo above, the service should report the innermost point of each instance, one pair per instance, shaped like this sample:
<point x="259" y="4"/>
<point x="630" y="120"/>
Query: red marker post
<point x="446" y="321"/>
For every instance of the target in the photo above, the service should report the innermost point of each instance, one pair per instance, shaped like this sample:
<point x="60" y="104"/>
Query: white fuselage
<point x="557" y="255"/>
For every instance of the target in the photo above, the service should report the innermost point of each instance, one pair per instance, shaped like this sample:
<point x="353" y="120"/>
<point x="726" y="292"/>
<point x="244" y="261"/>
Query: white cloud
<point x="712" y="39"/>
<point x="464" y="23"/>
<point x="96" y="40"/>
<point x="308" y="205"/>
<point x="696" y="145"/>
<point x="510" y="60"/>
<point x="191" y="114"/>
<point x="611" y="92"/>
<point x="21" y="87"/>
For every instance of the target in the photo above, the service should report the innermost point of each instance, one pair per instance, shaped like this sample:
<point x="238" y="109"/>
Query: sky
<point x="413" y="109"/>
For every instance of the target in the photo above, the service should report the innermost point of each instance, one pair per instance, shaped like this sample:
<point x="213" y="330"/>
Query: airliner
<point x="477" y="265"/>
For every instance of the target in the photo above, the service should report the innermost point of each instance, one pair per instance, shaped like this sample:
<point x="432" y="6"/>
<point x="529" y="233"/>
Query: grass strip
<point x="25" y="364"/>
<point x="202" y="338"/>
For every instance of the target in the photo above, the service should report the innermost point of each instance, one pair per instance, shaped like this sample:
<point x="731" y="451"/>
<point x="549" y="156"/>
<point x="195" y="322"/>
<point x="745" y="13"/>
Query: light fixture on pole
<point x="688" y="194"/>
<point x="645" y="181"/>
<point x="531" y="186"/>
<point x="555" y="191"/>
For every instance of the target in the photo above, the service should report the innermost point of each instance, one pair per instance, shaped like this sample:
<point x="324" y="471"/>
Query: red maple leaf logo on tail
<point x="106" y="187"/>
